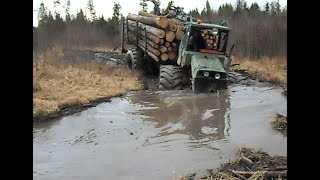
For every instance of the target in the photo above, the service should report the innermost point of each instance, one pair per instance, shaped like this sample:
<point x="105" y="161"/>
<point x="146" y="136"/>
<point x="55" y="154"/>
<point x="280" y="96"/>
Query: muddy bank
<point x="280" y="123"/>
<point x="249" y="164"/>
<point x="256" y="77"/>
<point x="81" y="57"/>
<point x="71" y="109"/>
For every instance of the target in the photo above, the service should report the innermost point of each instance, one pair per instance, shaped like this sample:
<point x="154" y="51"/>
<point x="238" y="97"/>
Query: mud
<point x="249" y="164"/>
<point x="280" y="123"/>
<point x="159" y="135"/>
<point x="71" y="109"/>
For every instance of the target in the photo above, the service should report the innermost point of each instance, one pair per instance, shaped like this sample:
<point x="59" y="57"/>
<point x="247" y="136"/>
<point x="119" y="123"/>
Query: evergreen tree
<point x="273" y="10"/>
<point x="278" y="7"/>
<point x="245" y="7"/>
<point x="239" y="6"/>
<point x="254" y="9"/>
<point x="67" y="11"/>
<point x="80" y="17"/>
<point x="208" y="7"/>
<point x="116" y="12"/>
<point x="42" y="15"/>
<point x="284" y="10"/>
<point x="225" y="10"/>
<point x="144" y="5"/>
<point x="194" y="13"/>
<point x="267" y="8"/>
<point x="56" y="4"/>
<point x="90" y="7"/>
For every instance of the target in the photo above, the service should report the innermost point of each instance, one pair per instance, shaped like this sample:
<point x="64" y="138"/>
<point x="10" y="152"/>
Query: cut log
<point x="176" y="21"/>
<point x="172" y="55"/>
<point x="156" y="58"/>
<point x="211" y="37"/>
<point x="164" y="56"/>
<point x="179" y="32"/>
<point x="155" y="31"/>
<point x="173" y="27"/>
<point x="174" y="45"/>
<point x="207" y="36"/>
<point x="170" y="48"/>
<point x="159" y="22"/>
<point x="161" y="41"/>
<point x="211" y="41"/>
<point x="163" y="49"/>
<point x="142" y="13"/>
<point x="152" y="44"/>
<point x="170" y="36"/>
<point x="175" y="49"/>
<point x="151" y="49"/>
<point x="152" y="37"/>
<point x="167" y="44"/>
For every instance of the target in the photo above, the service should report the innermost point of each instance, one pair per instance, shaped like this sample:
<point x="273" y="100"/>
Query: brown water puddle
<point x="158" y="135"/>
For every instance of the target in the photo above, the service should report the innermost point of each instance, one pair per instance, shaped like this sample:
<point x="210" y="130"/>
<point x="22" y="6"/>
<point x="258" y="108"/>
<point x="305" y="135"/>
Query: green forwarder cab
<point x="209" y="66"/>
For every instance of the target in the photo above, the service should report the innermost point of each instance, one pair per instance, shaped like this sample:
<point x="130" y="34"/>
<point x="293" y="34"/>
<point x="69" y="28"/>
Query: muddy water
<point x="158" y="135"/>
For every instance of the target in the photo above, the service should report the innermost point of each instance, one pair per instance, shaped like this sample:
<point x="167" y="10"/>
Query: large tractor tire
<point x="134" y="59"/>
<point x="172" y="78"/>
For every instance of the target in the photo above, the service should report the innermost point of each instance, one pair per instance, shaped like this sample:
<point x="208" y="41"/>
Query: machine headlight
<point x="217" y="76"/>
<point x="206" y="74"/>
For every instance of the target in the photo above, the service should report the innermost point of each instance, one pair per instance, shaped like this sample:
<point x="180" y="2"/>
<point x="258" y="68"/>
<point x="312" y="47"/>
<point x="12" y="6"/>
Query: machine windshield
<point x="207" y="40"/>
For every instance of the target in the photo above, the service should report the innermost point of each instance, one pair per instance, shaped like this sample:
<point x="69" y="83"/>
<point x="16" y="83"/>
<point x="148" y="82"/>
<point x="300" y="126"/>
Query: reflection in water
<point x="201" y="116"/>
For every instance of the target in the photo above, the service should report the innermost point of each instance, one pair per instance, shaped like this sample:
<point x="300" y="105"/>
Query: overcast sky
<point x="104" y="7"/>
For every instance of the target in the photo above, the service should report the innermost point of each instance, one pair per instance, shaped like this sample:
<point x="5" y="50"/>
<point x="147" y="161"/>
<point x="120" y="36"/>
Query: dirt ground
<point x="250" y="164"/>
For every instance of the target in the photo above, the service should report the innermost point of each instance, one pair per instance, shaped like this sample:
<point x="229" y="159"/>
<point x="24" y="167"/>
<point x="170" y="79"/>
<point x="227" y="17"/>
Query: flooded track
<point x="158" y="135"/>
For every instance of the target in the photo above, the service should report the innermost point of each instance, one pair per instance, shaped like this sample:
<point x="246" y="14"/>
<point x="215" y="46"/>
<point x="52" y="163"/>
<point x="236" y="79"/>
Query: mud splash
<point x="158" y="135"/>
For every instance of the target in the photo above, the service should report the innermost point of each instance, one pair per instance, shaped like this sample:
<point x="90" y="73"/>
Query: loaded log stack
<point x="210" y="38"/>
<point x="158" y="36"/>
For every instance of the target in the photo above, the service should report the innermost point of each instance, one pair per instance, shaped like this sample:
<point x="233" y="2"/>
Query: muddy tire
<point x="172" y="78"/>
<point x="203" y="86"/>
<point x="134" y="58"/>
<point x="222" y="85"/>
<point x="206" y="86"/>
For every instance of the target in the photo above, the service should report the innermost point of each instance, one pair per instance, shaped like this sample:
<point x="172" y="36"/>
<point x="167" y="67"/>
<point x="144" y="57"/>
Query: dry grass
<point x="268" y="69"/>
<point x="57" y="85"/>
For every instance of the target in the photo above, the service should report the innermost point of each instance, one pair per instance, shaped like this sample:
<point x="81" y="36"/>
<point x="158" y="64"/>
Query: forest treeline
<point x="256" y="31"/>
